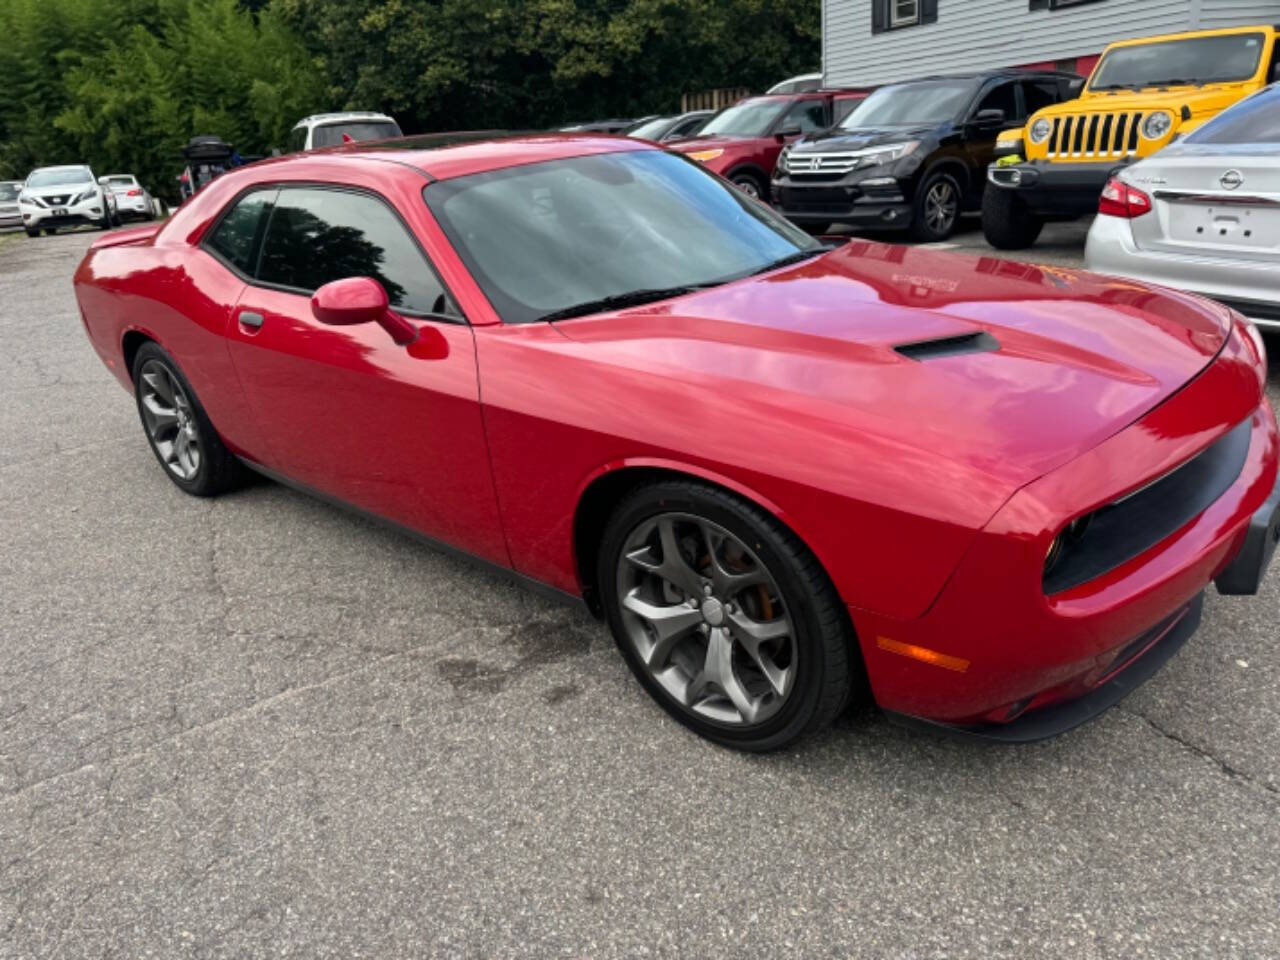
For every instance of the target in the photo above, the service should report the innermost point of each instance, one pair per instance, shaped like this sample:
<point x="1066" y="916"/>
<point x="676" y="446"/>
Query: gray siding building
<point x="869" y="42"/>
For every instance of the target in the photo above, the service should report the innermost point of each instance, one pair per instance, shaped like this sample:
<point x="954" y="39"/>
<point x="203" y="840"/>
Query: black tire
<point x="219" y="470"/>
<point x="50" y="231"/>
<point x="32" y="233"/>
<point x="752" y="184"/>
<point x="828" y="667"/>
<point x="105" y="223"/>
<point x="925" y="227"/>
<point x="1006" y="222"/>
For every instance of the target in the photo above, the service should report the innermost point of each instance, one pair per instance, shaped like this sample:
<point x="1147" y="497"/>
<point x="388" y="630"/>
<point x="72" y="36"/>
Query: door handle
<point x="254" y="320"/>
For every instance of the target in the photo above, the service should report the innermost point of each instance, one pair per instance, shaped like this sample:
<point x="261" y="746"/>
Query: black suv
<point x="912" y="155"/>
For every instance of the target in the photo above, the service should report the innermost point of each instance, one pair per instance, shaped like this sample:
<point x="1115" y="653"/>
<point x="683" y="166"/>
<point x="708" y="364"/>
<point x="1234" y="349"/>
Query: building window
<point x="904" y="13"/>
<point x="896" y="14"/>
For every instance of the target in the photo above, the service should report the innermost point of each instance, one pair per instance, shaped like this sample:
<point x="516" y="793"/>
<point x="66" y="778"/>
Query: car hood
<point x="857" y="139"/>
<point x="1198" y="100"/>
<point x="717" y="142"/>
<point x="1067" y="358"/>
<point x="65" y="190"/>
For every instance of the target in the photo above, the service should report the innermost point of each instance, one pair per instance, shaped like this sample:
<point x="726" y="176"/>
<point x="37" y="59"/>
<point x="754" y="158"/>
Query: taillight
<point x="1121" y="200"/>
<point x="134" y="193"/>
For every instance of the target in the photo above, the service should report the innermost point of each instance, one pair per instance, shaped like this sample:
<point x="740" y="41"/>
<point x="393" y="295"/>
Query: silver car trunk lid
<point x="1220" y="204"/>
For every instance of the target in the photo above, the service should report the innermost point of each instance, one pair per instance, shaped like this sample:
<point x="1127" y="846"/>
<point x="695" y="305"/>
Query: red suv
<point x="742" y="143"/>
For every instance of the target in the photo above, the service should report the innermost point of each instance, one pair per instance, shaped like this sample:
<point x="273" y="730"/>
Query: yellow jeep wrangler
<point x="1142" y="95"/>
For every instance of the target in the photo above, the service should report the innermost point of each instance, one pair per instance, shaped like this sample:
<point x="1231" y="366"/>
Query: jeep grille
<point x="1102" y="135"/>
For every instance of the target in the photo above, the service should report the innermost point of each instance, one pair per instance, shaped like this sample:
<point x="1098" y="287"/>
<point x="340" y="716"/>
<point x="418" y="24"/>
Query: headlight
<point x="782" y="159"/>
<point x="87" y="195"/>
<point x="876" y="156"/>
<point x="1040" y="130"/>
<point x="702" y="156"/>
<point x="1157" y="125"/>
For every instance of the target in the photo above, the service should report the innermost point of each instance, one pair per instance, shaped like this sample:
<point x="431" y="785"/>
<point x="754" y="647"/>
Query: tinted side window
<point x="236" y="237"/>
<point x="1003" y="97"/>
<point x="316" y="236"/>
<point x="1040" y="94"/>
<point x="298" y="139"/>
<point x="809" y="115"/>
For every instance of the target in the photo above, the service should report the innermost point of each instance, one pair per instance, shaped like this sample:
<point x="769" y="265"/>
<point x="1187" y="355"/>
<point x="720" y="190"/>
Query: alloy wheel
<point x="170" y="419"/>
<point x="748" y="186"/>
<point x="941" y="206"/>
<point x="706" y="619"/>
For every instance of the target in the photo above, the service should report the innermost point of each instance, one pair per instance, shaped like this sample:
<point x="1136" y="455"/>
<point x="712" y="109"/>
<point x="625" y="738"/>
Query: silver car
<point x="1203" y="215"/>
<point x="10" y="215"/>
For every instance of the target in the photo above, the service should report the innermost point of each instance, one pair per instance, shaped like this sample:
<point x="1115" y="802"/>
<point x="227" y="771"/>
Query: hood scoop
<point x="939" y="347"/>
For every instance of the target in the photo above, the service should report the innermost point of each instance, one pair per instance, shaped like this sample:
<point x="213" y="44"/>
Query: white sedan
<point x="1203" y="215"/>
<point x="132" y="199"/>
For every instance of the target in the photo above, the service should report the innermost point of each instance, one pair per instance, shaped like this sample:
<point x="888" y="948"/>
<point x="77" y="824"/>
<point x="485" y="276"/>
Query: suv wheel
<point x="32" y="233"/>
<point x="749" y="184"/>
<point x="1006" y="222"/>
<point x="937" y="208"/>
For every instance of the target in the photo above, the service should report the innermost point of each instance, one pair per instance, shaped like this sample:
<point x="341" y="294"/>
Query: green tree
<point x="450" y="64"/>
<point x="123" y="84"/>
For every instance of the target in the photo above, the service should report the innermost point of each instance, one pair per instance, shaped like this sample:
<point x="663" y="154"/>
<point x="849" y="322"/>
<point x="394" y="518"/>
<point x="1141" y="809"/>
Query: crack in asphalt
<point x="1233" y="773"/>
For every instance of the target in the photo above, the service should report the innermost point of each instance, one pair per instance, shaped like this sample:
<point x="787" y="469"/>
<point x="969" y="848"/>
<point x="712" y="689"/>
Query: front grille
<point x="1101" y="135"/>
<point x="836" y="164"/>
<point x="60" y="201"/>
<point x="1128" y="528"/>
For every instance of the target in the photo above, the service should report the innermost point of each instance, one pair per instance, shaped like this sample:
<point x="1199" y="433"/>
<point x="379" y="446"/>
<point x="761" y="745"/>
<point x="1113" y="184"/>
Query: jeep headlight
<point x="1040" y="130"/>
<point x="1157" y="125"/>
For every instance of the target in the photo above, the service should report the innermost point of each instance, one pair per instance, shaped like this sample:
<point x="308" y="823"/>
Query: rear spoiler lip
<point x="134" y="236"/>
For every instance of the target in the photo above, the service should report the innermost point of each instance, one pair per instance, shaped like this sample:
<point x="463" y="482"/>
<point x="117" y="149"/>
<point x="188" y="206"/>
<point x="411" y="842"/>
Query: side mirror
<point x="345" y="303"/>
<point x="988" y="119"/>
<point x="788" y="132"/>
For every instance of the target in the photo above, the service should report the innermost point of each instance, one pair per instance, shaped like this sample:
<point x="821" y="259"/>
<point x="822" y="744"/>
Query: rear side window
<point x="235" y="239"/>
<point x="1040" y="94"/>
<point x="298" y="139"/>
<point x="331" y="135"/>
<point x="316" y="236"/>
<point x="1256" y="120"/>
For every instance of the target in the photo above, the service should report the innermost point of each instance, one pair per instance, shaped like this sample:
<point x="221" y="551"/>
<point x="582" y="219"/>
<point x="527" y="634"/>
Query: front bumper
<point x="1251" y="287"/>
<point x="1055" y="189"/>
<point x="995" y="649"/>
<point x="10" y="217"/>
<point x="884" y="205"/>
<point x="89" y="212"/>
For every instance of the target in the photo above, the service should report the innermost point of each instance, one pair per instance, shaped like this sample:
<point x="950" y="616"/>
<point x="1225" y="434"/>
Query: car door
<point x="345" y="411"/>
<point x="980" y="137"/>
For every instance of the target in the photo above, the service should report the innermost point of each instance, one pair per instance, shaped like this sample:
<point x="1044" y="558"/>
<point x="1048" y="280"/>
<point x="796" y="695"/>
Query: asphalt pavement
<point x="259" y="726"/>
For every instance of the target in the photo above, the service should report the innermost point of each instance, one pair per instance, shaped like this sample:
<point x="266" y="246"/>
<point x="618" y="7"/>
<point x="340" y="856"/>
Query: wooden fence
<point x="713" y="99"/>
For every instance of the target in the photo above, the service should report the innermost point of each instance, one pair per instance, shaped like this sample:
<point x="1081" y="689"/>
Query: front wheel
<point x="724" y="616"/>
<point x="32" y="233"/>
<point x="1006" y="222"/>
<point x="937" y="208"/>
<point x="177" y="428"/>
<point x="750" y="184"/>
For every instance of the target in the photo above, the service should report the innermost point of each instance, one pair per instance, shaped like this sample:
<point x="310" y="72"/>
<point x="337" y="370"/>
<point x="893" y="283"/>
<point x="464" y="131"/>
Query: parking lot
<point x="259" y="726"/>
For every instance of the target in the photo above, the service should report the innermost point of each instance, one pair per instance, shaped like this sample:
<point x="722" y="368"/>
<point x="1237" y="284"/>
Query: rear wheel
<point x="1006" y="222"/>
<point x="724" y="616"/>
<point x="177" y="428"/>
<point x="937" y="208"/>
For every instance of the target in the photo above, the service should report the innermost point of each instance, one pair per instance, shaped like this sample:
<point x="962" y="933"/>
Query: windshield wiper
<point x="619" y="301"/>
<point x="1178" y="82"/>
<point x="798" y="257"/>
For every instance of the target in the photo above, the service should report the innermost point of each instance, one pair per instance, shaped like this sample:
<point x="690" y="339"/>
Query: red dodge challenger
<point x="986" y="495"/>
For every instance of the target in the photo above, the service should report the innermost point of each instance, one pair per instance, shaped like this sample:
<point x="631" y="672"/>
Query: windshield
<point x="331" y="135"/>
<point x="546" y="237"/>
<point x="1256" y="120"/>
<point x="750" y="118"/>
<point x="59" y="178"/>
<point x="911" y="104"/>
<point x="8" y="191"/>
<point x="653" y="130"/>
<point x="1194" y="60"/>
